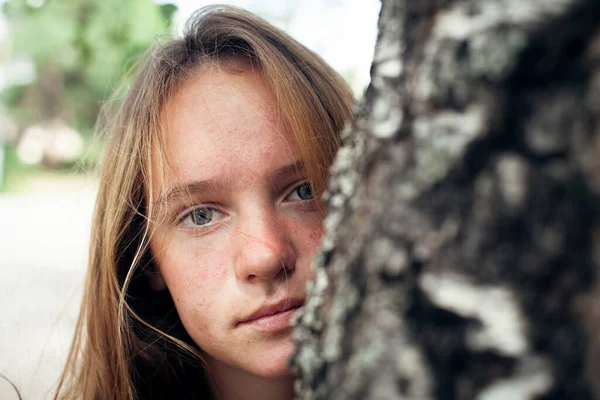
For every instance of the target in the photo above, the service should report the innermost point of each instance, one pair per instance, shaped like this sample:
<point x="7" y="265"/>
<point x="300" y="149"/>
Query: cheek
<point x="196" y="285"/>
<point x="315" y="237"/>
<point x="193" y="277"/>
<point x="311" y="239"/>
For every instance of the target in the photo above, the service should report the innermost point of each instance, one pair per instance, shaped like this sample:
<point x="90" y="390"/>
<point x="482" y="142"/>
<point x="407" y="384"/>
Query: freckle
<point x="316" y="234"/>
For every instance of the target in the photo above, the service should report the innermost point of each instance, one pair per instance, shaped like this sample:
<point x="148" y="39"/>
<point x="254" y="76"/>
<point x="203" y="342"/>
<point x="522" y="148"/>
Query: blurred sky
<point x="343" y="32"/>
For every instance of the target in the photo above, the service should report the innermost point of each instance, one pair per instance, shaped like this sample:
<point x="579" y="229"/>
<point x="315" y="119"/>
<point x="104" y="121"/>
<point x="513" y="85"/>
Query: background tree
<point x="459" y="258"/>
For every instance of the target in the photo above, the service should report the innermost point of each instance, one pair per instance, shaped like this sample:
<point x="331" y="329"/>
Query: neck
<point x="235" y="384"/>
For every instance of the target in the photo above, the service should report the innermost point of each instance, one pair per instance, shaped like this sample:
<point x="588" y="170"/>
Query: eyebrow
<point x="178" y="191"/>
<point x="285" y="171"/>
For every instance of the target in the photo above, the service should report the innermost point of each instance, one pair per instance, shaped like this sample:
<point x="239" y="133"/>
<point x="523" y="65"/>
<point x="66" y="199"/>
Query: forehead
<point x="220" y="119"/>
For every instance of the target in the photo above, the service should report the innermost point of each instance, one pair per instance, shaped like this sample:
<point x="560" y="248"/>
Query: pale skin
<point x="242" y="234"/>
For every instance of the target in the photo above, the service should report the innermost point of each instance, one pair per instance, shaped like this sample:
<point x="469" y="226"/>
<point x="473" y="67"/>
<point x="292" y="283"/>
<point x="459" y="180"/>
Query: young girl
<point x="207" y="216"/>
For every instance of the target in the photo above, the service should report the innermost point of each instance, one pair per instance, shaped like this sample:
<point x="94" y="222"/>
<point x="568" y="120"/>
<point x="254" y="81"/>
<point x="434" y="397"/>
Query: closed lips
<point x="268" y="310"/>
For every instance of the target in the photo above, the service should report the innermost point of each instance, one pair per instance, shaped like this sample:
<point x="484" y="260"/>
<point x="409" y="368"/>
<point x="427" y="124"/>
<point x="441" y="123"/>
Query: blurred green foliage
<point x="81" y="49"/>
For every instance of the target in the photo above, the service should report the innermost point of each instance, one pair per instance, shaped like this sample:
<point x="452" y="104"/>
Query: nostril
<point x="287" y="268"/>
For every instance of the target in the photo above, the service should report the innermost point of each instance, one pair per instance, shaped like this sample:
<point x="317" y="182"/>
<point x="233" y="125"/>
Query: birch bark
<point x="459" y="258"/>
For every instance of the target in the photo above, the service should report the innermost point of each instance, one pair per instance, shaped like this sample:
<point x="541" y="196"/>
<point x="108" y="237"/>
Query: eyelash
<point x="188" y="214"/>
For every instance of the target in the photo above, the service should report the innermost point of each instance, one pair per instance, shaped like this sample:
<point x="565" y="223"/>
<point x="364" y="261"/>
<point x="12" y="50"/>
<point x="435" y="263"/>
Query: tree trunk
<point x="458" y="261"/>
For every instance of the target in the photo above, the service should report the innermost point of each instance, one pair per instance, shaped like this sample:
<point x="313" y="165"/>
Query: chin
<point x="275" y="363"/>
<point x="277" y="371"/>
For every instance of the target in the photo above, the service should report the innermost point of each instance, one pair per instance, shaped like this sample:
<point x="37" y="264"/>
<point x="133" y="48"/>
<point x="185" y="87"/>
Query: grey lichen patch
<point x="460" y="23"/>
<point x="503" y="325"/>
<point x="389" y="49"/>
<point x="343" y="160"/>
<point x="388" y="257"/>
<point x="332" y="349"/>
<point x="389" y="46"/>
<point x="337" y="201"/>
<point x="331" y="222"/>
<point x="347" y="184"/>
<point x="513" y="180"/>
<point x="308" y="357"/>
<point x="407" y="191"/>
<point x="374" y="349"/>
<point x="406" y="221"/>
<point x="347" y="296"/>
<point x="533" y="378"/>
<point x="492" y="44"/>
<point x="464" y="20"/>
<point x="427" y="246"/>
<point x="345" y="174"/>
<point x="388" y="127"/>
<point x="442" y="140"/>
<point x="349" y="130"/>
<point x="495" y="54"/>
<point x="308" y="315"/>
<point x="390" y="69"/>
<point x="375" y="366"/>
<point x="477" y="39"/>
<point x="386" y="115"/>
<point x="411" y="368"/>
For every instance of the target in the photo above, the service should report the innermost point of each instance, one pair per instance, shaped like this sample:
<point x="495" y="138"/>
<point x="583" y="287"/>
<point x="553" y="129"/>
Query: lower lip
<point x="274" y="322"/>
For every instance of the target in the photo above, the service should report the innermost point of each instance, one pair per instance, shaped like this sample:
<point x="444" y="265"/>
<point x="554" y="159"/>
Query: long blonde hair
<point x="129" y="342"/>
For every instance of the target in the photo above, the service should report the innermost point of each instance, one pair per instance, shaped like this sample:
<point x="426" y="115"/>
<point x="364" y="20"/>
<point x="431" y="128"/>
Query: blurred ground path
<point x="43" y="251"/>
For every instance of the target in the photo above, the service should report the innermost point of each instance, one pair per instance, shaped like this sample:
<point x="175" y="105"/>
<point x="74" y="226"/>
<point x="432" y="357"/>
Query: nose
<point x="265" y="249"/>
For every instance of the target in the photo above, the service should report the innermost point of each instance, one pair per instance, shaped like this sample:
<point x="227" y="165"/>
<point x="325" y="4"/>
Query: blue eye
<point x="200" y="216"/>
<point x="302" y="192"/>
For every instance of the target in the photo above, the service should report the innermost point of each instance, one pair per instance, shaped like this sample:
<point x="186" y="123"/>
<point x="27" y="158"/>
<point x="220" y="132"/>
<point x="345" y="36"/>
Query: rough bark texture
<point x="458" y="260"/>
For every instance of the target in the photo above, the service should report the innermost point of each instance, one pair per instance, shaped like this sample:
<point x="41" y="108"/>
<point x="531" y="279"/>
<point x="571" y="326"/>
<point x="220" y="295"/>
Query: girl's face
<point x="240" y="227"/>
